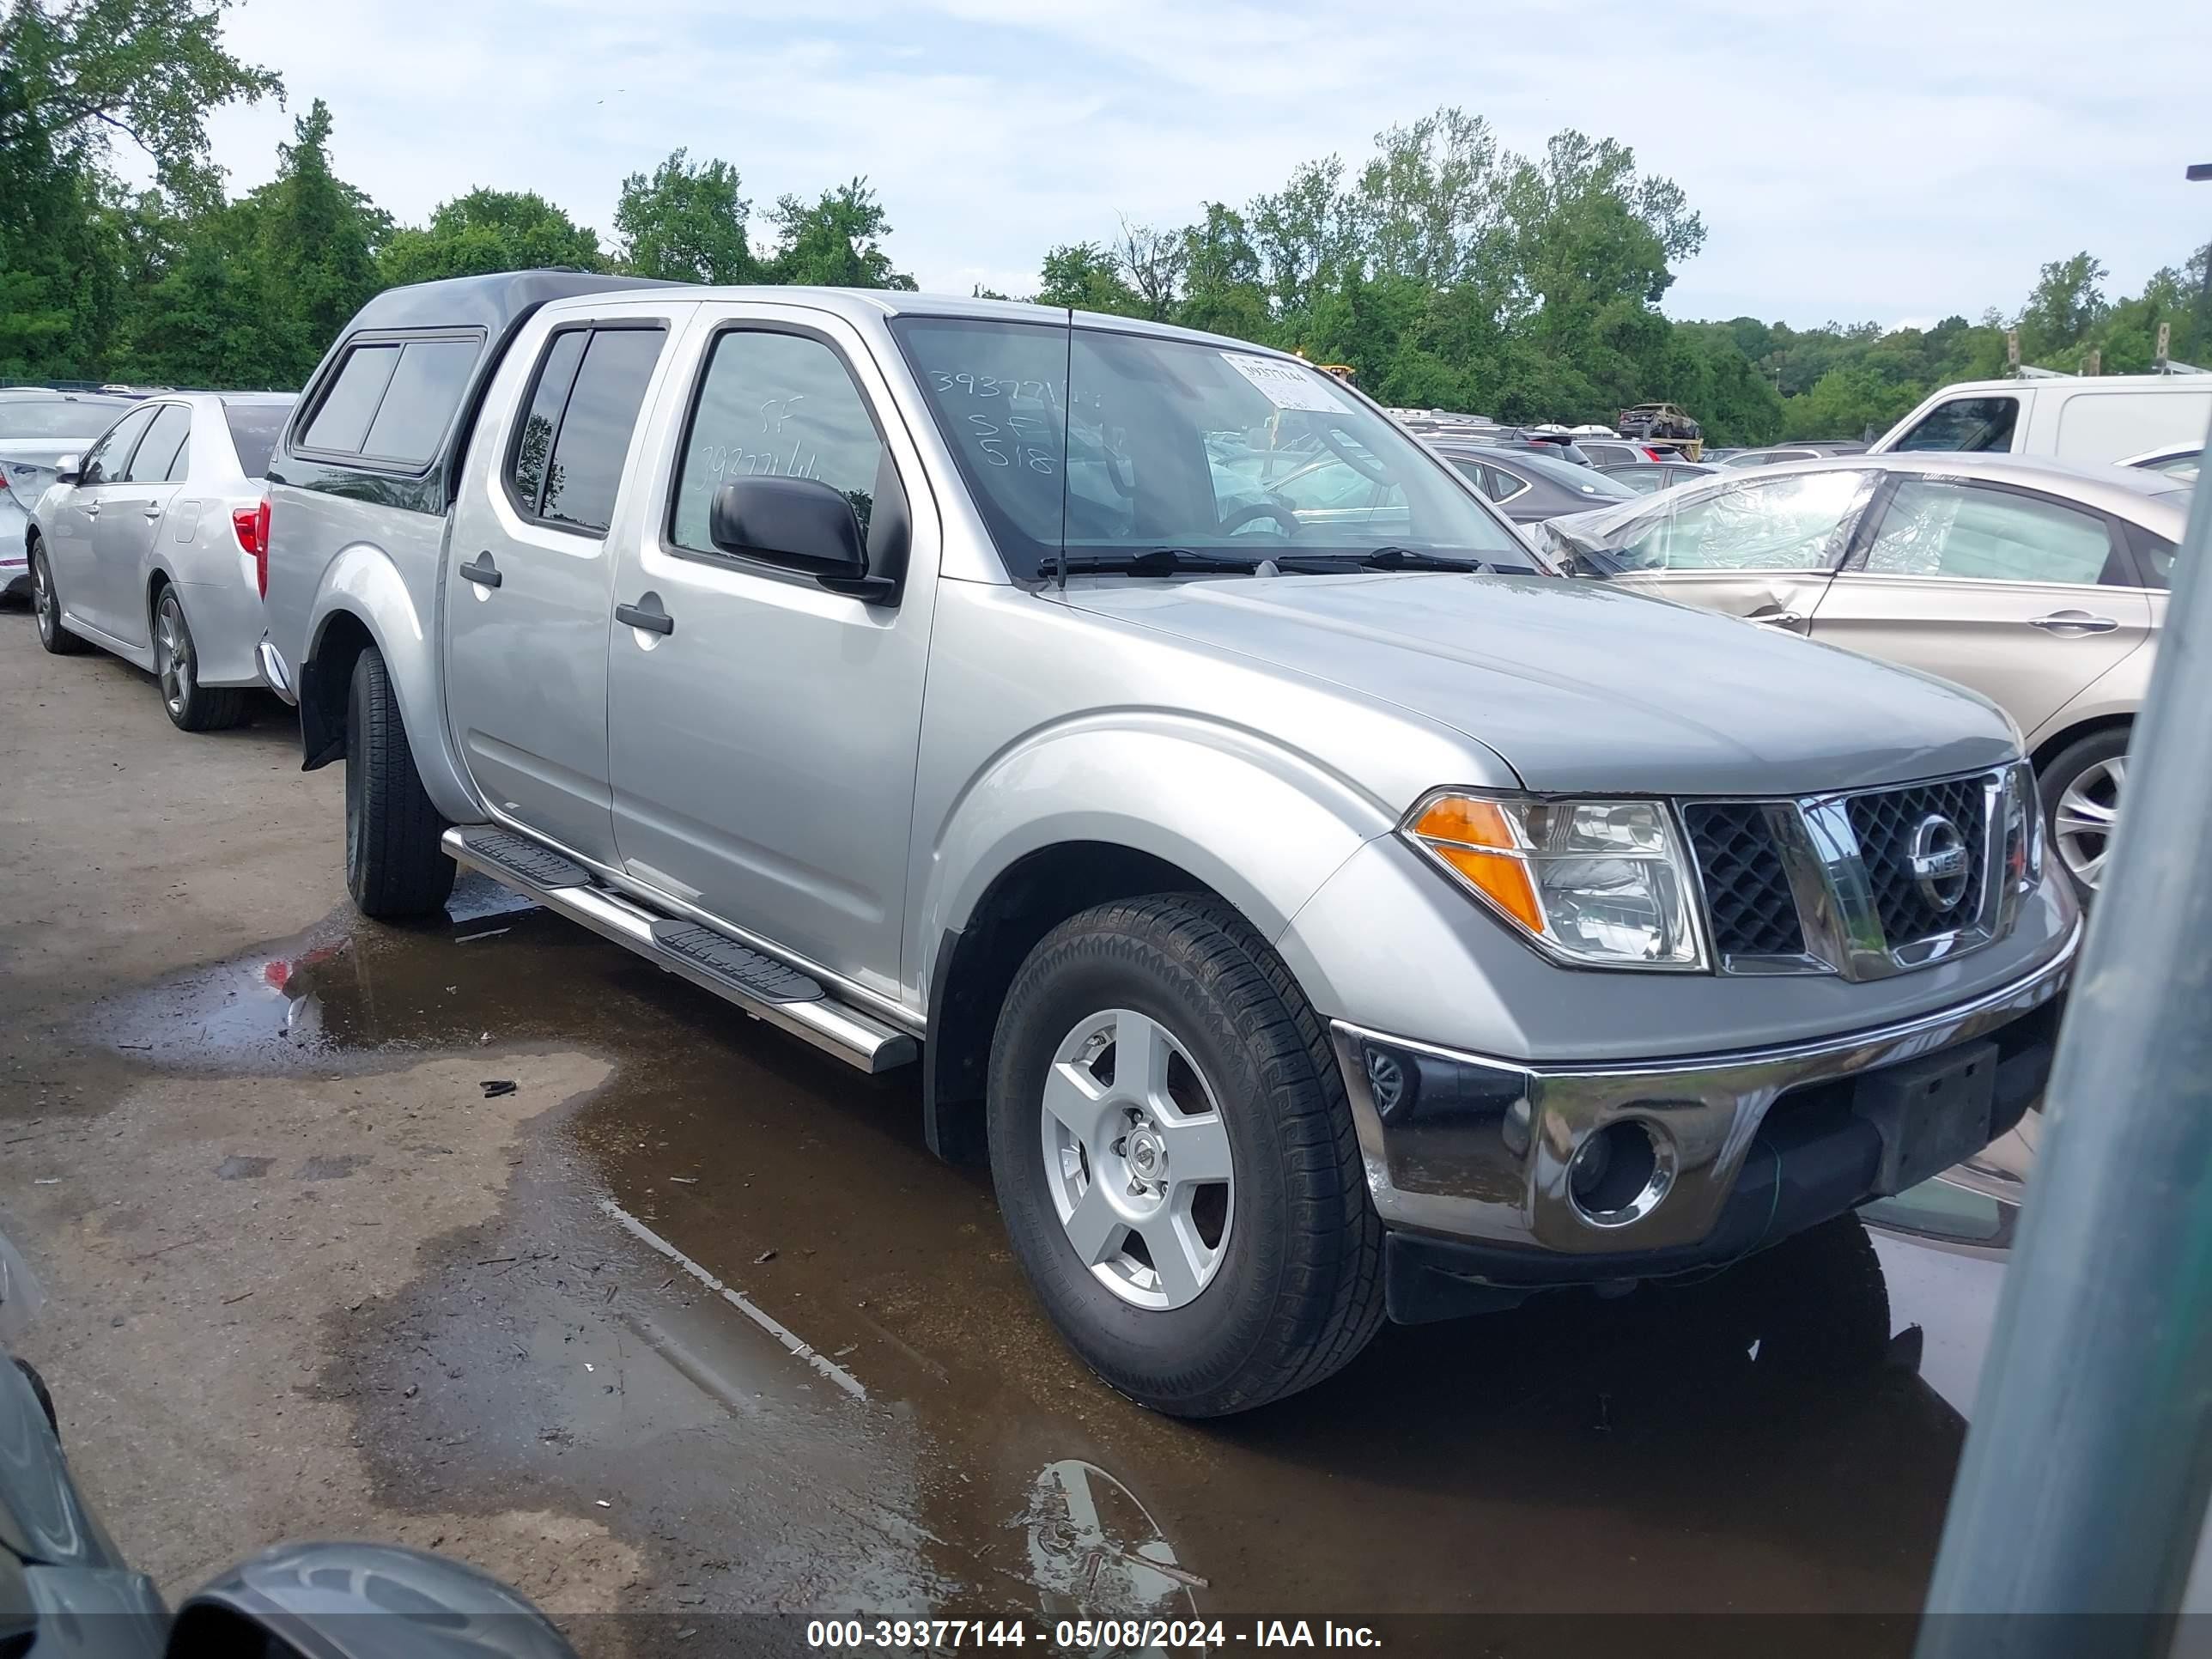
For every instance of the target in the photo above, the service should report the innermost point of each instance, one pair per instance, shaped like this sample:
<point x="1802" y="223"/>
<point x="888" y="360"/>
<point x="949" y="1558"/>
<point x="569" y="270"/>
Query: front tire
<point x="190" y="706"/>
<point x="57" y="638"/>
<point x="394" y="864"/>
<point x="1176" y="1160"/>
<point x="2080" y="791"/>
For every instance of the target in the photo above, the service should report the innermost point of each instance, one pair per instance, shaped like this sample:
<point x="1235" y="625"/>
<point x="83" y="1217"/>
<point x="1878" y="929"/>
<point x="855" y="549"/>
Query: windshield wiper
<point x="1387" y="558"/>
<point x="1155" y="561"/>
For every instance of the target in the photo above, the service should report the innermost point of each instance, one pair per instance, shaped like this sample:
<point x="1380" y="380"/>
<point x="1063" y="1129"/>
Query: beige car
<point x="2040" y="585"/>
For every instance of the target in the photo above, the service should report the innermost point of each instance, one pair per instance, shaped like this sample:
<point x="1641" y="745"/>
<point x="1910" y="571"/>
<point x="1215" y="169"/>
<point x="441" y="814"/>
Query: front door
<point x="529" y="570"/>
<point x="1762" y="549"/>
<point x="762" y="748"/>
<point x="73" y="543"/>
<point x="2023" y="598"/>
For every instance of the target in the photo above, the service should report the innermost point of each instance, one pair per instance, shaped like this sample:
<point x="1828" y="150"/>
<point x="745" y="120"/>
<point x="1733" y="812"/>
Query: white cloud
<point x="1886" y="158"/>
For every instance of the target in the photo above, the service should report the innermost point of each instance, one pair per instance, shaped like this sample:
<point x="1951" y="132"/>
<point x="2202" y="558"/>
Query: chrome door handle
<point x="1778" y="618"/>
<point x="2073" y="621"/>
<point x="92" y="509"/>
<point x="152" y="513"/>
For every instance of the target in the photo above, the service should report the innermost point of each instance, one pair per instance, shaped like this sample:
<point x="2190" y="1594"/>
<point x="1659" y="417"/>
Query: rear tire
<point x="1290" y="1288"/>
<point x="46" y="603"/>
<point x="2080" y="790"/>
<point x="394" y="864"/>
<point x="190" y="706"/>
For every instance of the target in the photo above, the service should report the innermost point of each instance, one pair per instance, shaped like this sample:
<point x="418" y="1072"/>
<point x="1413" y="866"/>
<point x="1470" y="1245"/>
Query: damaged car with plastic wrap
<point x="1313" y="910"/>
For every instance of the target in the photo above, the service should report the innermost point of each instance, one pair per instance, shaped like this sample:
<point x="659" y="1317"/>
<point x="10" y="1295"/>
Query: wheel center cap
<point x="1148" y="1154"/>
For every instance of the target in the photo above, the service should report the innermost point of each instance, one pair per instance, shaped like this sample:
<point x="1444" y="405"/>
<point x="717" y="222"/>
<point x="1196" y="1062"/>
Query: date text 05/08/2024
<point x="1086" y="1635"/>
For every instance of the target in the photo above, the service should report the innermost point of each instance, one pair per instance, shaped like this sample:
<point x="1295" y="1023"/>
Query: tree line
<point x="1446" y="269"/>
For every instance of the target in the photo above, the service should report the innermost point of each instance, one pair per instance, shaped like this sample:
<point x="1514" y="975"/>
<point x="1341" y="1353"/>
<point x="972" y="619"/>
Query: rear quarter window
<point x="253" y="430"/>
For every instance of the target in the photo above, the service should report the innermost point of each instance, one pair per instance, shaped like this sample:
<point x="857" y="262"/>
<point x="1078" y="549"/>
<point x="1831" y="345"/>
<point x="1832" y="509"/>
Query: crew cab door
<point x="529" y="566"/>
<point x="762" y="729"/>
<point x="1763" y="549"/>
<point x="2024" y="598"/>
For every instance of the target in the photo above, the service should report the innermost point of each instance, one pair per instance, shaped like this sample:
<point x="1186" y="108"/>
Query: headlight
<point x="1596" y="883"/>
<point x="2023" y="828"/>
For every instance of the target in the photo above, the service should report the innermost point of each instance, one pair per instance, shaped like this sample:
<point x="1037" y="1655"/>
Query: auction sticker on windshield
<point x="1286" y="385"/>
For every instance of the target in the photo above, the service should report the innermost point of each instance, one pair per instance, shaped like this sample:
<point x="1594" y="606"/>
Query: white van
<point x="2087" y="420"/>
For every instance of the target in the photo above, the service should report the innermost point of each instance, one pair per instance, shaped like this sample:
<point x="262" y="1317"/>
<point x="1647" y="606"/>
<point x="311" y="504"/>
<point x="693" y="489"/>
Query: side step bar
<point x="766" y="989"/>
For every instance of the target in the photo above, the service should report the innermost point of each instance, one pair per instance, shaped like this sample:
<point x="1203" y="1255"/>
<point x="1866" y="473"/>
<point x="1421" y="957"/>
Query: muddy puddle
<point x="731" y="1307"/>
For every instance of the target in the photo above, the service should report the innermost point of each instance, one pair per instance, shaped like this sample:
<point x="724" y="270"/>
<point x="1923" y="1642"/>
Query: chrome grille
<point x="1748" y="903"/>
<point x="1829" y="884"/>
<point x="1885" y="825"/>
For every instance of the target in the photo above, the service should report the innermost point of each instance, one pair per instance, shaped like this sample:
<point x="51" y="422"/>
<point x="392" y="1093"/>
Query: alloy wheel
<point x="2088" y="809"/>
<point x="173" y="654"/>
<point x="42" y="596"/>
<point x="1136" y="1158"/>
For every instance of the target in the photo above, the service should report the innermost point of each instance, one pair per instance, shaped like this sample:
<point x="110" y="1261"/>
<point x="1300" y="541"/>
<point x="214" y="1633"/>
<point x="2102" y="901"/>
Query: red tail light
<point x="252" y="524"/>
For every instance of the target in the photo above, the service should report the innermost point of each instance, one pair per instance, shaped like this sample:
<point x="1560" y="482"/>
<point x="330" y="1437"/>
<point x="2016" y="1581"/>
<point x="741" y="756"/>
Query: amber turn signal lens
<point x="1504" y="881"/>
<point x="1473" y="822"/>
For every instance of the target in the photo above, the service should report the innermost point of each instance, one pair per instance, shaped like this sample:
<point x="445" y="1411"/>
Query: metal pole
<point x="2086" y="1470"/>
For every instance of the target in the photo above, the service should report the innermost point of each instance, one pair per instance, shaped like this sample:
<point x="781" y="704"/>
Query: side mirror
<point x="310" y="1602"/>
<point x="805" y="521"/>
<point x="67" y="470"/>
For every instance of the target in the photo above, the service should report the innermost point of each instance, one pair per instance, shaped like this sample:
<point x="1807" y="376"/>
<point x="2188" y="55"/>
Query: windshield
<point x="1112" y="446"/>
<point x="59" y="417"/>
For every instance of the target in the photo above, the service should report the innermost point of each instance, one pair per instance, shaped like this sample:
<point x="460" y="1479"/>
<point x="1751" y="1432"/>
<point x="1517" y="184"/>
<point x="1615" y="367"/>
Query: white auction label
<point x="1286" y="385"/>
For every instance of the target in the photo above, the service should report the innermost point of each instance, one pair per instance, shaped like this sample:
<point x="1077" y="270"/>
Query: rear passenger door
<point x="131" y="518"/>
<point x="527" y="592"/>
<point x="2024" y="598"/>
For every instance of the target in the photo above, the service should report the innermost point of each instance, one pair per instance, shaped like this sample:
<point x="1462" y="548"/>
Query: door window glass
<point x="163" y="445"/>
<point x="112" y="453"/>
<point x="1796" y="523"/>
<point x="419" y="404"/>
<point x="534" y="444"/>
<point x="1935" y="527"/>
<point x="1965" y="424"/>
<point x="774" y="405"/>
<point x="593" y="442"/>
<point x="351" y="404"/>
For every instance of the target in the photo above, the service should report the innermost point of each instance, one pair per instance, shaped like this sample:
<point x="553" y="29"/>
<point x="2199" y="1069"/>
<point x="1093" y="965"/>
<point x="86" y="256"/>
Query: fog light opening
<point x="1617" y="1175"/>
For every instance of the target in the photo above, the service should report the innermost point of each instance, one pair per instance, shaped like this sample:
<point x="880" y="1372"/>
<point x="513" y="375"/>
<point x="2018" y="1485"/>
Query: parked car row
<point x="1313" y="910"/>
<point x="149" y="545"/>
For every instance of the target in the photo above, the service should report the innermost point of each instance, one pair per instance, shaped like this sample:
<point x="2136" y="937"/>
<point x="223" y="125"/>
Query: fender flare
<point x="362" y="584"/>
<point x="1256" y="821"/>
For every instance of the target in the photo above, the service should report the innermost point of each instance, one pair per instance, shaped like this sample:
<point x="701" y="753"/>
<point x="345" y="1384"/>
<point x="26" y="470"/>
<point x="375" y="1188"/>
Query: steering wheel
<point x="1365" y="467"/>
<point x="1118" y="473"/>
<point x="1253" y="512"/>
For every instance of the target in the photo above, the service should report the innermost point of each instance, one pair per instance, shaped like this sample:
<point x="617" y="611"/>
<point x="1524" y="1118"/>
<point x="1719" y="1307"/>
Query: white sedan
<point x="150" y="546"/>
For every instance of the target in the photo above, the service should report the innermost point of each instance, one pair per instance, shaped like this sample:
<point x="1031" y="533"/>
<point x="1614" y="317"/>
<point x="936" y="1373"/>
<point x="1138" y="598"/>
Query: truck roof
<point x="491" y="301"/>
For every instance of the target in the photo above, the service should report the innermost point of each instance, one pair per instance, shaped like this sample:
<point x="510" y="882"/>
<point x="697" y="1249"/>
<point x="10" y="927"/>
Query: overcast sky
<point x="1874" y="161"/>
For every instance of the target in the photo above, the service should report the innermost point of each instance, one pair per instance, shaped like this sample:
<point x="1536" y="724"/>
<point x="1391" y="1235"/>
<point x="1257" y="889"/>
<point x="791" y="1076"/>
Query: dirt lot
<point x="309" y="1278"/>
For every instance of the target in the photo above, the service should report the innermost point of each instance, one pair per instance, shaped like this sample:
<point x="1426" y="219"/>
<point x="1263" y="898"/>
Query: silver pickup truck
<point x="1315" y="909"/>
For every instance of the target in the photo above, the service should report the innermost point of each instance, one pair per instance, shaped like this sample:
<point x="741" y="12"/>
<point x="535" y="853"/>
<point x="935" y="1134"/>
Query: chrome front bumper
<point x="1485" y="1157"/>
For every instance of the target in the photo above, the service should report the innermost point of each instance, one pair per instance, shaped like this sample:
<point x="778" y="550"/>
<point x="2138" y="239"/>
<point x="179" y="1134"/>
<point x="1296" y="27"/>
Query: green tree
<point x="1848" y="402"/>
<point x="685" y="223"/>
<point x="835" y="241"/>
<point x="1152" y="263"/>
<point x="1222" y="291"/>
<point x="489" y="230"/>
<point x="74" y="77"/>
<point x="1428" y="206"/>
<point x="1305" y="234"/>
<point x="1086" y="277"/>
<point x="2066" y="302"/>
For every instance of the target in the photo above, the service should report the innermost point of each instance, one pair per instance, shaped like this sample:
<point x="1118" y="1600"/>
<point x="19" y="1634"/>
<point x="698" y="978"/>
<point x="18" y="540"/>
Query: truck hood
<point x="1580" y="687"/>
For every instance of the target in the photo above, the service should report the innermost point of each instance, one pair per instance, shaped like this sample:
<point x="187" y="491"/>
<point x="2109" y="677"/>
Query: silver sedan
<point x="151" y="546"/>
